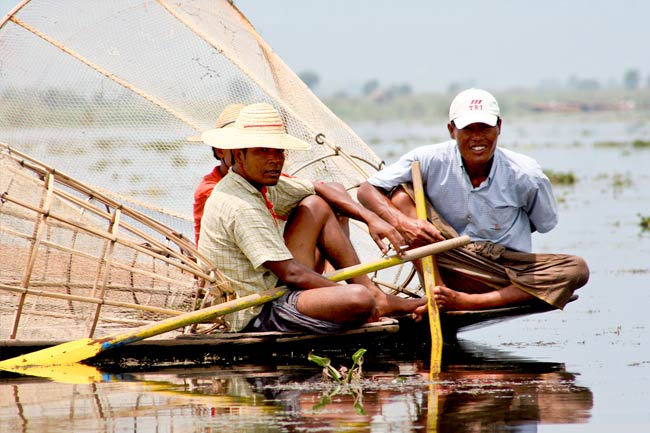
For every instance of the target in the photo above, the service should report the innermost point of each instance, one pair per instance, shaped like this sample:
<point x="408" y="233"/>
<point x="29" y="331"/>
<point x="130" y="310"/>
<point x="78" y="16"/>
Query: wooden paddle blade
<point x="80" y="350"/>
<point x="62" y="354"/>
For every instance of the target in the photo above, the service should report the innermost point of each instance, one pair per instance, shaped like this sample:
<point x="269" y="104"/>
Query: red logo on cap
<point x="476" y="105"/>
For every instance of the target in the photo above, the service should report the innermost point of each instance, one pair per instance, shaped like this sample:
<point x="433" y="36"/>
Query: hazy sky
<point x="429" y="44"/>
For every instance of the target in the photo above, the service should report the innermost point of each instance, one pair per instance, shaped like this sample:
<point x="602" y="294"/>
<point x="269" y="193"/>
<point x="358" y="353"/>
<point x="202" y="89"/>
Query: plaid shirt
<point x="242" y="228"/>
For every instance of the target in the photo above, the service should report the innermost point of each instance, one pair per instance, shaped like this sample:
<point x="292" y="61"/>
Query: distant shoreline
<point x="426" y="106"/>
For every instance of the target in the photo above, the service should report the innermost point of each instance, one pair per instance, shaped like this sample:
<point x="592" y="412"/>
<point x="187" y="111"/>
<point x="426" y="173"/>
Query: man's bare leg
<point x="313" y="225"/>
<point x="450" y="299"/>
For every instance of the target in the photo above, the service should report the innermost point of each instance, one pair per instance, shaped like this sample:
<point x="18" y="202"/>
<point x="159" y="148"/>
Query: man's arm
<point x="295" y="275"/>
<point x="415" y="231"/>
<point x="342" y="203"/>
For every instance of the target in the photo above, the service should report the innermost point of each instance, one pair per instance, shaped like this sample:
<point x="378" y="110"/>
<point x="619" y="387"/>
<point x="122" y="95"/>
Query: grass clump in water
<point x="561" y="178"/>
<point x="644" y="222"/>
<point x="641" y="144"/>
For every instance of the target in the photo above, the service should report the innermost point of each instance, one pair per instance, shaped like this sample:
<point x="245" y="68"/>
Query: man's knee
<point x="360" y="302"/>
<point x="580" y="274"/>
<point x="316" y="205"/>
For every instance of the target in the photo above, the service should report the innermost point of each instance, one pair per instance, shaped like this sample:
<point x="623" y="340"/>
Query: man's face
<point x="261" y="166"/>
<point x="476" y="142"/>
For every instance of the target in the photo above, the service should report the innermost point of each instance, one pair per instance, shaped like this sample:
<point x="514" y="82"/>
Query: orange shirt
<point x="201" y="194"/>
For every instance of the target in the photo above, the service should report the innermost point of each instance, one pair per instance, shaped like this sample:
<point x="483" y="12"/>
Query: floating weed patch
<point x="161" y="146"/>
<point x="66" y="150"/>
<point x="561" y="178"/>
<point x="347" y="380"/>
<point x="644" y="222"/>
<point x="633" y="271"/>
<point x="343" y="374"/>
<point x="100" y="166"/>
<point x="638" y="364"/>
<point x="179" y="161"/>
<point x="641" y="144"/>
<point x="136" y="179"/>
<point x="620" y="181"/>
<point x="105" y="144"/>
<point x="609" y="144"/>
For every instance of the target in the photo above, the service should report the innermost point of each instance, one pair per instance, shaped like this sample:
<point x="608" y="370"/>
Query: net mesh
<point x="109" y="92"/>
<point x="74" y="263"/>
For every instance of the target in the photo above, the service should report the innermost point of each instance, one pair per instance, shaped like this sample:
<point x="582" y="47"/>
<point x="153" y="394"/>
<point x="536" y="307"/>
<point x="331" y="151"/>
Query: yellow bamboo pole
<point x="79" y="350"/>
<point x="429" y="275"/>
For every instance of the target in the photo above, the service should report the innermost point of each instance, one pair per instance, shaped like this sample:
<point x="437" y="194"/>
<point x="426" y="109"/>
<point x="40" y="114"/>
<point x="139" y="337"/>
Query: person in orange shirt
<point x="224" y="156"/>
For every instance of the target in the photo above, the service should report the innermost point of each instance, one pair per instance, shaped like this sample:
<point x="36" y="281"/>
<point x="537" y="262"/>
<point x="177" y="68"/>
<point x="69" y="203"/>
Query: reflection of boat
<point x="93" y="256"/>
<point x="478" y="389"/>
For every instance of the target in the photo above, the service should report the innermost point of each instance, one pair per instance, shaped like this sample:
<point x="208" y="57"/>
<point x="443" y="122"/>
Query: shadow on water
<point x="479" y="389"/>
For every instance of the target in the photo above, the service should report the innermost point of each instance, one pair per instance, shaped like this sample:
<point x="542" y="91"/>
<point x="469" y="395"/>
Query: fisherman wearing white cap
<point x="260" y="231"/>
<point x="495" y="196"/>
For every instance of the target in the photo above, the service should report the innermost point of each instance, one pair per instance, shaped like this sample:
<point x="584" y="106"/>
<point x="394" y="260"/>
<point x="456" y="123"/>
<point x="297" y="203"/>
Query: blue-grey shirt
<point x="501" y="209"/>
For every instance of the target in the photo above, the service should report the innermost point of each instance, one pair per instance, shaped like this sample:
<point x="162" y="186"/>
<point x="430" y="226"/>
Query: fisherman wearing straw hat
<point x="261" y="230"/>
<point x="495" y="196"/>
<point x="224" y="156"/>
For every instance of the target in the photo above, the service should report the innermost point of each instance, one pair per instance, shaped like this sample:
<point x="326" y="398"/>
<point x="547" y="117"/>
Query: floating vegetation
<point x="161" y="146"/>
<point x="179" y="161"/>
<point x="346" y="380"/>
<point x="561" y="178"/>
<point x="641" y="144"/>
<point x="609" y="144"/>
<point x="100" y="166"/>
<point x="105" y="144"/>
<point x="644" y="222"/>
<point x="620" y="181"/>
<point x="66" y="150"/>
<point x="343" y="374"/>
<point x="136" y="178"/>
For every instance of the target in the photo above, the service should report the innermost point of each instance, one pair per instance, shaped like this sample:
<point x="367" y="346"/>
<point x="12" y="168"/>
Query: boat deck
<point x="397" y="336"/>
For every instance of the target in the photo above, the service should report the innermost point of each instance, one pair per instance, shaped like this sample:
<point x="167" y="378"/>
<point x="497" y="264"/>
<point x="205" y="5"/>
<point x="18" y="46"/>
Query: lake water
<point x="585" y="369"/>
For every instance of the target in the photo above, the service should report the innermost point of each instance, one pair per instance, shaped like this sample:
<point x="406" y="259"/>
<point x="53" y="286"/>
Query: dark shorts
<point x="282" y="315"/>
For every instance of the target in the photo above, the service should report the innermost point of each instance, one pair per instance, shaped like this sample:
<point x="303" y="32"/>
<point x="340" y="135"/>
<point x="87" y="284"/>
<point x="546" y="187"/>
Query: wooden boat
<point x="101" y="243"/>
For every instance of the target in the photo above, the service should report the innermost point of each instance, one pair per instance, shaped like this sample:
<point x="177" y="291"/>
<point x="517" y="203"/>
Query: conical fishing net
<point x="109" y="91"/>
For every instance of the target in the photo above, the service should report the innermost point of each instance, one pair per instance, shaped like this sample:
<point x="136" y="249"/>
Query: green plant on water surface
<point x="561" y="178"/>
<point x="343" y="375"/>
<point x="644" y="222"/>
<point x="346" y="379"/>
<point x="641" y="144"/>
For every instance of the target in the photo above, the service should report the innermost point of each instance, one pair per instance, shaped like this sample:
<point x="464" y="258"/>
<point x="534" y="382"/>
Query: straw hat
<point x="225" y="119"/>
<point x="258" y="125"/>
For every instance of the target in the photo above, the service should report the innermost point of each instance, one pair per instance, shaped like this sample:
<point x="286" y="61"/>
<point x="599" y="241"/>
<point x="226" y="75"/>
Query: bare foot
<point x="391" y="305"/>
<point x="449" y="299"/>
<point x="419" y="313"/>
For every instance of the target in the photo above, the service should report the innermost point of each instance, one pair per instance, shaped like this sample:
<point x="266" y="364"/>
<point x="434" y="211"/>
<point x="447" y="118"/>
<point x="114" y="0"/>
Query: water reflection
<point x="479" y="389"/>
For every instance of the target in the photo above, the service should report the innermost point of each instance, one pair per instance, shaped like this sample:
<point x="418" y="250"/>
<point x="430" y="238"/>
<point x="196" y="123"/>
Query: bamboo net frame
<point x="75" y="263"/>
<point x="108" y="92"/>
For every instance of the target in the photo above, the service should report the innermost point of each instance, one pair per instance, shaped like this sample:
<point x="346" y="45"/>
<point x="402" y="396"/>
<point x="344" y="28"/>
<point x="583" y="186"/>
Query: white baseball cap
<point x="473" y="106"/>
